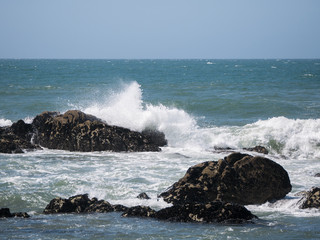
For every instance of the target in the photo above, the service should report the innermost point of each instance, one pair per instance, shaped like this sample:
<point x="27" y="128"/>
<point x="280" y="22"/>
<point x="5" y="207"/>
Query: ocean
<point x="200" y="105"/>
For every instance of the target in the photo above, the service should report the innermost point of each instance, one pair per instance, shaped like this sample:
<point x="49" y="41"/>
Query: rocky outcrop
<point x="210" y="212"/>
<point x="311" y="199"/>
<point x="5" y="213"/>
<point x="238" y="178"/>
<point x="76" y="131"/>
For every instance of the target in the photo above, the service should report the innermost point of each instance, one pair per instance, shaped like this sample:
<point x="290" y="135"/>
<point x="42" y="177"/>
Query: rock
<point x="100" y="206"/>
<point x="5" y="213"/>
<point x="194" y="212"/>
<point x="75" y="204"/>
<point x="311" y="199"/>
<point x="16" y="138"/>
<point x="119" y="208"/>
<point x="139" y="211"/>
<point x="317" y="175"/>
<point x="81" y="204"/>
<point x="77" y="131"/>
<point x="238" y="178"/>
<point x="258" y="149"/>
<point x="210" y="212"/>
<point x="155" y="137"/>
<point x="143" y="196"/>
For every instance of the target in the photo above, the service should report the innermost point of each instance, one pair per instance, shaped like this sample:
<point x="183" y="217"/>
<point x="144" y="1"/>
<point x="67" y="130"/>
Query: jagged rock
<point x="258" y="149"/>
<point x="81" y="204"/>
<point x="238" y="178"/>
<point x="210" y="212"/>
<point x="77" y="131"/>
<point x="311" y="199"/>
<point x="143" y="196"/>
<point x="317" y="175"/>
<point x="16" y="138"/>
<point x="139" y="211"/>
<point x="5" y="213"/>
<point x="75" y="204"/>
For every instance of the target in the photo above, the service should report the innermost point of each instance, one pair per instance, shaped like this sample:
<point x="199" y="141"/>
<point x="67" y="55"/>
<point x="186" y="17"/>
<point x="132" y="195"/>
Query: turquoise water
<point x="198" y="104"/>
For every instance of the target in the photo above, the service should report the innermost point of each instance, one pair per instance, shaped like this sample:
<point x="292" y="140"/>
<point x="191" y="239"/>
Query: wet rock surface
<point x="238" y="178"/>
<point x="216" y="211"/>
<point x="76" y="131"/>
<point x="311" y="199"/>
<point x="5" y="213"/>
<point x="211" y="212"/>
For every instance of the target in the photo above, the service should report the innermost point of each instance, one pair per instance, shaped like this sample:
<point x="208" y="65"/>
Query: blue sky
<point x="135" y="29"/>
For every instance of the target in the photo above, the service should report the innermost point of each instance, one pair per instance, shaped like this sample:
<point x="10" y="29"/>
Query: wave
<point x="5" y="122"/>
<point x="290" y="137"/>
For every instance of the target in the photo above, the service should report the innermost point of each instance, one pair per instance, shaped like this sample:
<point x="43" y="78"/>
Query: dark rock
<point x="196" y="212"/>
<point x="100" y="206"/>
<point x="155" y="137"/>
<point x="15" y="138"/>
<point x="239" y="178"/>
<point x="139" y="211"/>
<point x="75" y="204"/>
<point x="317" y="175"/>
<point x="311" y="199"/>
<point x="81" y="204"/>
<point x="143" y="196"/>
<point x="77" y="131"/>
<point x="210" y="212"/>
<point x="5" y="213"/>
<point x="119" y="208"/>
<point x="258" y="149"/>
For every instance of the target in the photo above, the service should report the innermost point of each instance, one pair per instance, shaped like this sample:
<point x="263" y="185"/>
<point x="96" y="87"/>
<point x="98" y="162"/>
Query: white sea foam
<point x="5" y="122"/>
<point x="295" y="138"/>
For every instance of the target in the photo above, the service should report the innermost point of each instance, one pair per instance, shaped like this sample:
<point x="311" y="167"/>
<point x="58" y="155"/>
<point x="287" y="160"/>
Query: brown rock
<point x="311" y="199"/>
<point x="239" y="178"/>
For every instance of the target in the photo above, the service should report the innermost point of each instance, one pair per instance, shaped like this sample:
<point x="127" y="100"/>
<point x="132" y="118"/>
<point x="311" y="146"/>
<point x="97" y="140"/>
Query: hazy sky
<point x="160" y="29"/>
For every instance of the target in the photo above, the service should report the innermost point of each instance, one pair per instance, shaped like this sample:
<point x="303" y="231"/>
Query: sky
<point x="163" y="29"/>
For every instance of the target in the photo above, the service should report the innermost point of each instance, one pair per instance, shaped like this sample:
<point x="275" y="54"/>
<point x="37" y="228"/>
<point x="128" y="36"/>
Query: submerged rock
<point x="143" y="196"/>
<point x="311" y="199"/>
<point x="5" y="213"/>
<point x="258" y="149"/>
<point x="238" y="178"/>
<point x="77" y="131"/>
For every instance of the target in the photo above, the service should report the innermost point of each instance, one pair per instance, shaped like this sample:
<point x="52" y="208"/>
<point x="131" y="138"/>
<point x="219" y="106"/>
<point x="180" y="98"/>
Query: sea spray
<point x="296" y="138"/>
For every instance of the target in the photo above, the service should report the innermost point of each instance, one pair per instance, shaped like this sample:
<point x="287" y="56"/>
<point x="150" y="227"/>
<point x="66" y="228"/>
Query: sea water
<point x="199" y="105"/>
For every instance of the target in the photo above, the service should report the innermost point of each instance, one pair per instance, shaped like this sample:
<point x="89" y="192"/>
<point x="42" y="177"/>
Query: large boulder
<point x="77" y="131"/>
<point x="238" y="178"/>
<point x="311" y="199"/>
